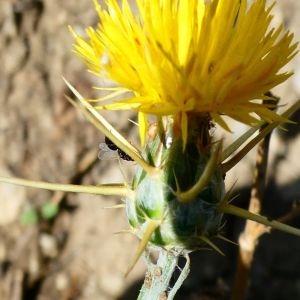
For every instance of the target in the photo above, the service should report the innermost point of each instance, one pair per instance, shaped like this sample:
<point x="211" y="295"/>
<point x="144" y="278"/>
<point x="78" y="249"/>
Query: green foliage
<point x="181" y="226"/>
<point x="29" y="217"/>
<point x="49" y="210"/>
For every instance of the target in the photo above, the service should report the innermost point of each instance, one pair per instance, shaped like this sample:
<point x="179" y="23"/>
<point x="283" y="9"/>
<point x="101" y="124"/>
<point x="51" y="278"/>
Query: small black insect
<point x="111" y="145"/>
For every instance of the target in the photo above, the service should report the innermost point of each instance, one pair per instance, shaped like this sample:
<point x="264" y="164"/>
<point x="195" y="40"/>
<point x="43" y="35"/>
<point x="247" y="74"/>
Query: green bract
<point x="182" y="227"/>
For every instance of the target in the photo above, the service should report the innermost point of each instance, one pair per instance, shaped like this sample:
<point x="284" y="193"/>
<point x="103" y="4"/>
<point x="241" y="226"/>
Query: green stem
<point x="182" y="277"/>
<point x="157" y="281"/>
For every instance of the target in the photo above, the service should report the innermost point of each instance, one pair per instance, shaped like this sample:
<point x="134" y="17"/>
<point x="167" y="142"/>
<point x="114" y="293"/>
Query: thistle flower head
<point x="203" y="57"/>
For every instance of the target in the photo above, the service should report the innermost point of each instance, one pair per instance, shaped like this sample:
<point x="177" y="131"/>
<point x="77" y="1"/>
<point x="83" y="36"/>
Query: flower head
<point x="177" y="57"/>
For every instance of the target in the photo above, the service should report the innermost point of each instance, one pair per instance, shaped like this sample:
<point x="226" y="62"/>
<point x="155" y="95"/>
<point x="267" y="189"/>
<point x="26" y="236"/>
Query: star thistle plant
<point x="188" y="64"/>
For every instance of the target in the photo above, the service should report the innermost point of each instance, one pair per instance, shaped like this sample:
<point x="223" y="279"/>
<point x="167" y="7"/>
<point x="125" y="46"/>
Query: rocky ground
<point x="76" y="254"/>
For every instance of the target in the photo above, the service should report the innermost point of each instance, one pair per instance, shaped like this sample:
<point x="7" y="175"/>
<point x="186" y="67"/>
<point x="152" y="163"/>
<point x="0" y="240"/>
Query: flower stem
<point x="157" y="281"/>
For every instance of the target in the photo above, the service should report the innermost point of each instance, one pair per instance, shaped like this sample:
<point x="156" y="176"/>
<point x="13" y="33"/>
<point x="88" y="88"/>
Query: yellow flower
<point x="177" y="57"/>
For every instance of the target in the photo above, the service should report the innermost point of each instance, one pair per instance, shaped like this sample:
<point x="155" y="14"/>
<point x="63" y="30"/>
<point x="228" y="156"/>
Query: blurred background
<point x="73" y="252"/>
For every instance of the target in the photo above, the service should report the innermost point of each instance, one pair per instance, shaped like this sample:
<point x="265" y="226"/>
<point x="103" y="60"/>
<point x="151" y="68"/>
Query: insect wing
<point x="105" y="153"/>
